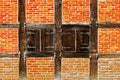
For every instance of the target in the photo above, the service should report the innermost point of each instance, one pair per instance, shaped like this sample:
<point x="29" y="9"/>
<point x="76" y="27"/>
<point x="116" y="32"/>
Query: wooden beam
<point x="22" y="41"/>
<point x="8" y="55"/>
<point x="93" y="40"/>
<point x="75" y="55"/>
<point x="40" y="54"/>
<point x="58" y="39"/>
<point x="77" y="25"/>
<point x="109" y="25"/>
<point x="113" y="55"/>
<point x="9" y="25"/>
<point x="93" y="66"/>
<point x="39" y="26"/>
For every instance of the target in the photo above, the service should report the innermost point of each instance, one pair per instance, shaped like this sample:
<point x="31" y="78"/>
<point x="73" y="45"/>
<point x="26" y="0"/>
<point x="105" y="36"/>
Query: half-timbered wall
<point x="41" y="39"/>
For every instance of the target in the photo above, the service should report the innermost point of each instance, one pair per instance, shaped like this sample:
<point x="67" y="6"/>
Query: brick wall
<point x="9" y="40"/>
<point x="109" y="69"/>
<point x="40" y="11"/>
<point x="9" y="11"/>
<point x="40" y="68"/>
<point x="109" y="11"/>
<point x="9" y="69"/>
<point x="108" y="40"/>
<point x="75" y="11"/>
<point x="75" y="69"/>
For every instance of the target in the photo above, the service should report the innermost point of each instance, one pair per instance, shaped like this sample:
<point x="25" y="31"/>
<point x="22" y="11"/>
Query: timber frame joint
<point x="94" y="56"/>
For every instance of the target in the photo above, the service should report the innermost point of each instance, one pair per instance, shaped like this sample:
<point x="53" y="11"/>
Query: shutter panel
<point x="37" y="40"/>
<point x="68" y="39"/>
<point x="84" y="36"/>
<point x="31" y="38"/>
<point x="47" y="40"/>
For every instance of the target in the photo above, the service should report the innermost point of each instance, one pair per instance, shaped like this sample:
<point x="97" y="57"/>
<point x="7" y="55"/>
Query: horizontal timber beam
<point x="75" y="55"/>
<point x="40" y="54"/>
<point x="38" y="26"/>
<point x="109" y="55"/>
<point x="9" y="25"/>
<point x="108" y="25"/>
<point x="9" y="55"/>
<point x="77" y="24"/>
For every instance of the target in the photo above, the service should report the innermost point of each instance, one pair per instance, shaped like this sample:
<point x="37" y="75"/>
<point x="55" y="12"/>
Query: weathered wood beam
<point x="113" y="55"/>
<point x="9" y="55"/>
<point x="108" y="25"/>
<point x="40" y="54"/>
<point x="77" y="26"/>
<point x="39" y="26"/>
<point x="80" y="24"/>
<point x="93" y="66"/>
<point x="75" y="55"/>
<point x="58" y="38"/>
<point x="93" y="40"/>
<point x="9" y="25"/>
<point x="22" y="41"/>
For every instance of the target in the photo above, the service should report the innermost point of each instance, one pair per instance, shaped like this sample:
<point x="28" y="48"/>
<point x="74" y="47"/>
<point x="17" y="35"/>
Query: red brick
<point x="108" y="69"/>
<point x="9" y="40"/>
<point x="75" y="11"/>
<point x="75" y="69"/>
<point x="108" y="40"/>
<point x="9" y="11"/>
<point x="109" y="11"/>
<point x="9" y="69"/>
<point x="40" y="68"/>
<point x="40" y="11"/>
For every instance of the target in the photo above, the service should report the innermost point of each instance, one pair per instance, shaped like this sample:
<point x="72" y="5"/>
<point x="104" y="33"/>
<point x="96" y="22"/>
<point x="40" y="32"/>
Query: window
<point x="41" y="40"/>
<point x="74" y="39"/>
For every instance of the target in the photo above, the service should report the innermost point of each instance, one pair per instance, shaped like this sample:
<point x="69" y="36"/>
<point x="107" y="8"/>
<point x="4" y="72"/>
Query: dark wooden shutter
<point x="41" y="40"/>
<point x="68" y="39"/>
<point x="31" y="41"/>
<point x="75" y="39"/>
<point x="47" y="40"/>
<point x="83" y="40"/>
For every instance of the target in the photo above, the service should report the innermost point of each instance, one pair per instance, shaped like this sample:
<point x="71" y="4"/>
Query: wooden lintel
<point x="22" y="41"/>
<point x="9" y="55"/>
<point x="39" y="26"/>
<point x="9" y="25"/>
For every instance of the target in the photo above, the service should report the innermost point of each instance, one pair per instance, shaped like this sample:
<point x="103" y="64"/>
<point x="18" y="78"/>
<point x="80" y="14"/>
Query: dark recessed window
<point x="41" y="40"/>
<point x="75" y="39"/>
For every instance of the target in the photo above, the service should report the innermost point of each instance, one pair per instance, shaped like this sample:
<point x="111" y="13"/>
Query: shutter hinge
<point x="19" y="54"/>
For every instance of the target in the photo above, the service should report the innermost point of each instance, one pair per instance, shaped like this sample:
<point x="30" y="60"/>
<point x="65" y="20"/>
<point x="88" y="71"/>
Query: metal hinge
<point x="19" y="54"/>
<point x="96" y="56"/>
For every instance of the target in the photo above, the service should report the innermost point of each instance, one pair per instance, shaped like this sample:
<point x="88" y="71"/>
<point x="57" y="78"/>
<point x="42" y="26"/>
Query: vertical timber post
<point x="22" y="41"/>
<point x="93" y="41"/>
<point x="58" y="39"/>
